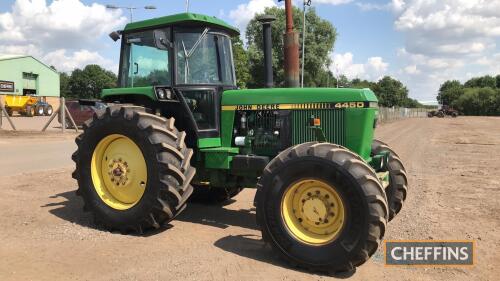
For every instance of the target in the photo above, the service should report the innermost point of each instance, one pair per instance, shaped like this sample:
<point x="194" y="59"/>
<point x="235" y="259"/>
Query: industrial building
<point x="27" y="76"/>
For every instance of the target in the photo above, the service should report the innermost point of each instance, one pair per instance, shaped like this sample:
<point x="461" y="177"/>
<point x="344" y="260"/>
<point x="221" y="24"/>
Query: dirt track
<point x="453" y="169"/>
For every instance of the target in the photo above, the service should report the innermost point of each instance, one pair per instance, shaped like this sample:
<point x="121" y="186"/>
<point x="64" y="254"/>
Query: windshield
<point x="204" y="58"/>
<point x="143" y="63"/>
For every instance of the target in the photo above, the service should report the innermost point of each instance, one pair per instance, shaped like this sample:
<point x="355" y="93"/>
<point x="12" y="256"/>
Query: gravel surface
<point x="454" y="194"/>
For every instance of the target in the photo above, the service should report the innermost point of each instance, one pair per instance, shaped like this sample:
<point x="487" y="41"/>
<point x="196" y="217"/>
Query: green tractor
<point x="180" y="127"/>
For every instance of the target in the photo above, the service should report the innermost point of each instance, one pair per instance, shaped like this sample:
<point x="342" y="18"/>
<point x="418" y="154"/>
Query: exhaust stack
<point x="266" y="22"/>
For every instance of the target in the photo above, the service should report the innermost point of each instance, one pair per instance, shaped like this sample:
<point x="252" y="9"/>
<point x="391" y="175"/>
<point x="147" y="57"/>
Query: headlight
<point x="161" y="94"/>
<point x="164" y="94"/>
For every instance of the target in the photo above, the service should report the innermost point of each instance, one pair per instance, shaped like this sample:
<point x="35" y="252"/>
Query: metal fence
<point x="389" y="114"/>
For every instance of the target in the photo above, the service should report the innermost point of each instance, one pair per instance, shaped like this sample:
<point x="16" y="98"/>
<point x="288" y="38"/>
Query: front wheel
<point x="397" y="189"/>
<point x="48" y="110"/>
<point x="133" y="169"/>
<point x="321" y="207"/>
<point x="39" y="110"/>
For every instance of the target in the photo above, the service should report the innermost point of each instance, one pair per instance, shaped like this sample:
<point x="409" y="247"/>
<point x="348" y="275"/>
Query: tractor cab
<point x="185" y="61"/>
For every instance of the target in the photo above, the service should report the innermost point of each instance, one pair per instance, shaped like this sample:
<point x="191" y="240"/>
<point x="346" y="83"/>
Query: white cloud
<point x="373" y="69"/>
<point x="394" y="5"/>
<point x="332" y="2"/>
<point x="412" y="69"/>
<point x="77" y="59"/>
<point x="245" y="12"/>
<point x="61" y="27"/>
<point x="443" y="39"/>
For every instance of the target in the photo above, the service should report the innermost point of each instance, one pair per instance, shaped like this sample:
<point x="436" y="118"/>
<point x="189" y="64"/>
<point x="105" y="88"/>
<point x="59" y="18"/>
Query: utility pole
<point x="291" y="40"/>
<point x="130" y="9"/>
<point x="306" y="3"/>
<point x="187" y="6"/>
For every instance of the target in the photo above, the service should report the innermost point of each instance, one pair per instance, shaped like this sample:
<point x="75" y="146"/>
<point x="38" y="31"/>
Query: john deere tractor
<point x="178" y="125"/>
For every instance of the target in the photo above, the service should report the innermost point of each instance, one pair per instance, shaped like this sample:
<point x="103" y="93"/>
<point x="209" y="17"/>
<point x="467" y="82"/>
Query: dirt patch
<point x="453" y="194"/>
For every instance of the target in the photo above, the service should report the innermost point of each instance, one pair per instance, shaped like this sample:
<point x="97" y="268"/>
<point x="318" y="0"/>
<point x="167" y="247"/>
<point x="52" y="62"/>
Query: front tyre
<point x="397" y="189"/>
<point x="133" y="169"/>
<point x="321" y="207"/>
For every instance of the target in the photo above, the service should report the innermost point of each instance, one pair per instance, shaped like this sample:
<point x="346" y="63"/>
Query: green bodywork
<point x="179" y="19"/>
<point x="347" y="116"/>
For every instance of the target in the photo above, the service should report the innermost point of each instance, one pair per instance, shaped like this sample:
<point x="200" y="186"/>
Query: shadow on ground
<point x="248" y="246"/>
<point x="218" y="216"/>
<point x="71" y="210"/>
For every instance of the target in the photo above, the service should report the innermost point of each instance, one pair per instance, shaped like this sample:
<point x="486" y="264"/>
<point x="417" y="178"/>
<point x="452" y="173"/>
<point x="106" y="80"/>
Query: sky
<point x="420" y="42"/>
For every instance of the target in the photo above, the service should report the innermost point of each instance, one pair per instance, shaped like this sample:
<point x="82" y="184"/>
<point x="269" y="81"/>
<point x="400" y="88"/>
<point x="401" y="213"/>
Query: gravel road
<point x="453" y="169"/>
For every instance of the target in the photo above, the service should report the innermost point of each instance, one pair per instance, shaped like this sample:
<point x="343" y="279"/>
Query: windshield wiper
<point x="187" y="55"/>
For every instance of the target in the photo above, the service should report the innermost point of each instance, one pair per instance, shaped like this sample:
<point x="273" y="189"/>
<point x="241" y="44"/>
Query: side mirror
<point x="161" y="40"/>
<point x="115" y="35"/>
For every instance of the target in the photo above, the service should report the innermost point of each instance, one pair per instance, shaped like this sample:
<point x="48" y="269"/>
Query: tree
<point x="481" y="82"/>
<point x="449" y="91"/>
<point x="89" y="82"/>
<point x="240" y="63"/>
<point x="320" y="39"/>
<point x="391" y="92"/>
<point x="64" y="84"/>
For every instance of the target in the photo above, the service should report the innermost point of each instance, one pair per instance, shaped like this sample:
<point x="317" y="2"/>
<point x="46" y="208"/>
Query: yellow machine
<point x="27" y="106"/>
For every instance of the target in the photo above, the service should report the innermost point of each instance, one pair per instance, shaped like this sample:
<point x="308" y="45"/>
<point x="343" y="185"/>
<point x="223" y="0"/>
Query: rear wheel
<point x="397" y="189"/>
<point x="209" y="195"/>
<point x="133" y="169"/>
<point x="440" y="114"/>
<point x="9" y="111"/>
<point x="430" y="114"/>
<point x="321" y="207"/>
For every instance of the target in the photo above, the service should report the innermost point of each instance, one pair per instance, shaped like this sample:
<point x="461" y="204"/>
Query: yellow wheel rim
<point x="313" y="211"/>
<point x="119" y="172"/>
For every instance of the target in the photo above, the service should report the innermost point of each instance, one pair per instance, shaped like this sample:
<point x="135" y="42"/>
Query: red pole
<point x="291" y="40"/>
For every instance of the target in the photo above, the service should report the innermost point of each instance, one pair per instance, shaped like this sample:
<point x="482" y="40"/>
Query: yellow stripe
<point x="286" y="106"/>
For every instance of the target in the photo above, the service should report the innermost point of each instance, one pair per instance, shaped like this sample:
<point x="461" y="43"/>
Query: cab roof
<point x="184" y="18"/>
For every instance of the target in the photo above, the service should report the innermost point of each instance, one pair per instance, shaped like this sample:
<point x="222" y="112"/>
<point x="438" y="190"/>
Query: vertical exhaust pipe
<point x="266" y="22"/>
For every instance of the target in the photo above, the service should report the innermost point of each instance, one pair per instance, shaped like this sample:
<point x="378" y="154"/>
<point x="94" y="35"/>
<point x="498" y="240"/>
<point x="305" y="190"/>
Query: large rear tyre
<point x="209" y="195"/>
<point x="397" y="189"/>
<point x="321" y="207"/>
<point x="133" y="169"/>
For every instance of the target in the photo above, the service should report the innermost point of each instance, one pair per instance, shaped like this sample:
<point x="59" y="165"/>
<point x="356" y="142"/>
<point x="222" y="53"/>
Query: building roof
<point x="4" y="57"/>
<point x="182" y="18"/>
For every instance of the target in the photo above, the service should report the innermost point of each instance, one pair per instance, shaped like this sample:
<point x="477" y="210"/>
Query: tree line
<point x="249" y="63"/>
<point x="477" y="96"/>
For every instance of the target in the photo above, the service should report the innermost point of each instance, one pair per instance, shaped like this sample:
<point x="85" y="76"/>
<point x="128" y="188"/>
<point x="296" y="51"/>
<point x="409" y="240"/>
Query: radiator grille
<point x="332" y="123"/>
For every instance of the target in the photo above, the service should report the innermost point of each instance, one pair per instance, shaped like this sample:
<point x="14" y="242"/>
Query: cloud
<point x="68" y="62"/>
<point x="332" y="2"/>
<point x="61" y="27"/>
<point x="443" y="39"/>
<point x="394" y="5"/>
<point x="245" y="12"/>
<point x="373" y="69"/>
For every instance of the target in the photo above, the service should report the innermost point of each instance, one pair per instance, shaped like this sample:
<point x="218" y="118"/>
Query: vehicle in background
<point x="81" y="112"/>
<point x="27" y="106"/>
<point x="443" y="111"/>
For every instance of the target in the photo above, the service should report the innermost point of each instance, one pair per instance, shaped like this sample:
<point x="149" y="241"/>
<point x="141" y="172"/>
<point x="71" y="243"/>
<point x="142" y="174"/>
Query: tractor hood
<point x="296" y="96"/>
